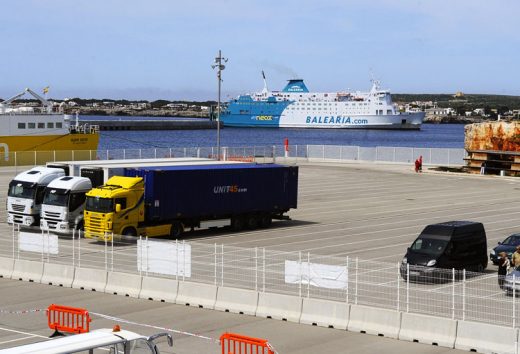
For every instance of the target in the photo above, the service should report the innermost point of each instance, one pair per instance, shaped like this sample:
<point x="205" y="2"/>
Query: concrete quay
<point x="152" y="124"/>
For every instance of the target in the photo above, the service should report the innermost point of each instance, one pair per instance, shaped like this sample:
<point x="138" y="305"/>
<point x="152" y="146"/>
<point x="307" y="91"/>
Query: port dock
<point x="152" y="124"/>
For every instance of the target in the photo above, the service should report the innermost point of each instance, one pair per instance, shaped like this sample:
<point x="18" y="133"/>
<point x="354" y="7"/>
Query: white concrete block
<point x="126" y="284"/>
<point x="6" y="267"/>
<point x="279" y="306"/>
<point x="428" y="329"/>
<point x="197" y="294"/>
<point x="486" y="338"/>
<point x="27" y="270"/>
<point x="159" y="289"/>
<point x="237" y="300"/>
<point x="58" y="274"/>
<point x="90" y="279"/>
<point x="373" y="320"/>
<point x="325" y="313"/>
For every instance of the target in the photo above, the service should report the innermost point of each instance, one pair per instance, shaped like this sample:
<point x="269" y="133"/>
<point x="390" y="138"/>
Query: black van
<point x="452" y="244"/>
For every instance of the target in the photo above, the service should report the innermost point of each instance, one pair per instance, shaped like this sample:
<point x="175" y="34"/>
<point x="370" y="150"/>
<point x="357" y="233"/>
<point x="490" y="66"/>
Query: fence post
<point x="155" y="153"/>
<point x="106" y="251"/>
<point x="147" y="257"/>
<point x="215" y="261"/>
<point x="398" y="283"/>
<point x="79" y="248"/>
<point x="453" y="293"/>
<point x="357" y="268"/>
<point x="35" y="158"/>
<point x="256" y="268"/>
<point x="222" y="262"/>
<point x="301" y="273"/>
<point x="263" y="280"/>
<point x="73" y="235"/>
<point x="177" y="250"/>
<point x="513" y="299"/>
<point x="183" y="260"/>
<point x="112" y="254"/>
<point x="309" y="280"/>
<point x="14" y="241"/>
<point x="407" y="287"/>
<point x="348" y="279"/>
<point x="463" y="294"/>
<point x="140" y="250"/>
<point x="43" y="243"/>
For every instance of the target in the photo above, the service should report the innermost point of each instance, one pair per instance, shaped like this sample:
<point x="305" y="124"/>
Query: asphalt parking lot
<point x="358" y="210"/>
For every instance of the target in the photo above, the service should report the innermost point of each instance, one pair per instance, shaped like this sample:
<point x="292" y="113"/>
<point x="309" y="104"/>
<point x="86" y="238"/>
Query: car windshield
<point x="429" y="246"/>
<point x="58" y="197"/>
<point x="512" y="240"/>
<point x="20" y="189"/>
<point x="99" y="205"/>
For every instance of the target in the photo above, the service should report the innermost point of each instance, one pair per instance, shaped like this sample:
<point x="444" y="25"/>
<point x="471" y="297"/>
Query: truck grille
<point x="48" y="214"/>
<point x="18" y="207"/>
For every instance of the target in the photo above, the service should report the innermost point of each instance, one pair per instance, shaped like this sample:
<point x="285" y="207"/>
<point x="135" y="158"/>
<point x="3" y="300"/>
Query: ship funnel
<point x="295" y="85"/>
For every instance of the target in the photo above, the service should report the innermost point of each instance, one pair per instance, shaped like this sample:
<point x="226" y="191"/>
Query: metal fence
<point x="453" y="294"/>
<point x="294" y="153"/>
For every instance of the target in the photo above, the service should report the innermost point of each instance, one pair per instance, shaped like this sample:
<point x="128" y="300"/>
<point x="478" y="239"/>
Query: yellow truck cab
<point x="116" y="207"/>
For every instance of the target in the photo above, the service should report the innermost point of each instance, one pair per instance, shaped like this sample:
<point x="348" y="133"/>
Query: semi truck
<point x="169" y="200"/>
<point x="25" y="195"/>
<point x="63" y="204"/>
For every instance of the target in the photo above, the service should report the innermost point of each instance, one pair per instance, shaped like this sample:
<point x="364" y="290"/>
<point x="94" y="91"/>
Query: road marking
<point x="16" y="340"/>
<point x="21" y="332"/>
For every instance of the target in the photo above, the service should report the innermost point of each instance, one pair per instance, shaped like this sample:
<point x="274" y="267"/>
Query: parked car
<point x="512" y="281"/>
<point x="508" y="246"/>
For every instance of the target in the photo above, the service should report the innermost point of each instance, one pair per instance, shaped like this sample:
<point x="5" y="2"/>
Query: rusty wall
<point x="495" y="136"/>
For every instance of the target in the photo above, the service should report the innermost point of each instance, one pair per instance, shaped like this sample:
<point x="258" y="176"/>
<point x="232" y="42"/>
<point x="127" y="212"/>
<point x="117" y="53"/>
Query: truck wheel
<point x="80" y="226"/>
<point x="176" y="230"/>
<point x="252" y="222"/>
<point x="265" y="221"/>
<point x="129" y="231"/>
<point x="237" y="223"/>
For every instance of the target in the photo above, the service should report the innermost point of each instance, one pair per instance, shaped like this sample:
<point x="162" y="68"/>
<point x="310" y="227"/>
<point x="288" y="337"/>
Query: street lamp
<point x="218" y="64"/>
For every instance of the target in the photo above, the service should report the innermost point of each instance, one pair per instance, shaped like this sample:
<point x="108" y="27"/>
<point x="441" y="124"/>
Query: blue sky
<point x="163" y="49"/>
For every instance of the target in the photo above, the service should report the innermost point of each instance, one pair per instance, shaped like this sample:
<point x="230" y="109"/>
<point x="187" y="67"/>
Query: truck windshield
<point x="429" y="246"/>
<point x="99" y="205"/>
<point x="58" y="197"/>
<point x="21" y="189"/>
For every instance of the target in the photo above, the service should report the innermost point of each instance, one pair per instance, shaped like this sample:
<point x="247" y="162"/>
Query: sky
<point x="163" y="49"/>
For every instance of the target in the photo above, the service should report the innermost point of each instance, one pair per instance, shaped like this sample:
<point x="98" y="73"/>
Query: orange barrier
<point x="239" y="344"/>
<point x="68" y="319"/>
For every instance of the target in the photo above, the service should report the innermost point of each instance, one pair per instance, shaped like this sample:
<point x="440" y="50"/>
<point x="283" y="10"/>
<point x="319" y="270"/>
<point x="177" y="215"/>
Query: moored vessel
<point x="296" y="107"/>
<point x="43" y="128"/>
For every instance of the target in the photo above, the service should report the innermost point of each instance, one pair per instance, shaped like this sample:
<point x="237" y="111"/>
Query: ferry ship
<point x="296" y="107"/>
<point x="42" y="128"/>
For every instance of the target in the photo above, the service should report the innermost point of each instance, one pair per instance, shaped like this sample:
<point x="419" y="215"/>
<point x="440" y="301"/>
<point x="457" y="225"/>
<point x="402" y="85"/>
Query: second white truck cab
<point x="25" y="194"/>
<point x="63" y="204"/>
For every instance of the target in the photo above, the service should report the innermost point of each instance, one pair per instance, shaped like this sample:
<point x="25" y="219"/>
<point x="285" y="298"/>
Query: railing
<point x="294" y="153"/>
<point x="462" y="295"/>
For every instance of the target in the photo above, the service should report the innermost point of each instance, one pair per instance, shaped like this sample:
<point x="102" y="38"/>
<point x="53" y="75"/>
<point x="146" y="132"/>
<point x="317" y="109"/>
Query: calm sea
<point x="430" y="136"/>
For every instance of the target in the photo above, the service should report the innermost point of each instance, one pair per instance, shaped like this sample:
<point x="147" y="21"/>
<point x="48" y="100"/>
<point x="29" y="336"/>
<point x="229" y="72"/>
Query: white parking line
<point x="21" y="332"/>
<point x="15" y="340"/>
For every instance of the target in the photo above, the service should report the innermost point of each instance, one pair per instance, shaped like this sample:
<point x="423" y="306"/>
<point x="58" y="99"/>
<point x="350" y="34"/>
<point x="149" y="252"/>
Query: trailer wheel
<point x="129" y="231"/>
<point x="252" y="222"/>
<point x="237" y="223"/>
<point x="176" y="230"/>
<point x="265" y="221"/>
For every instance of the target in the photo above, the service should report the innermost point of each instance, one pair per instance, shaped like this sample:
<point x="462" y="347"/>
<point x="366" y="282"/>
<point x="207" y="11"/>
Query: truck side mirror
<point x="118" y="208"/>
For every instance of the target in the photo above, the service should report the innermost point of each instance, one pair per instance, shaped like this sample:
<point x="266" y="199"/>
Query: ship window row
<point x="50" y="125"/>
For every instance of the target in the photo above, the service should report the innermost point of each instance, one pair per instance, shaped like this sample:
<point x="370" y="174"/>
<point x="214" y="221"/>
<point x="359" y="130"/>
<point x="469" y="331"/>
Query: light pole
<point x="218" y="64"/>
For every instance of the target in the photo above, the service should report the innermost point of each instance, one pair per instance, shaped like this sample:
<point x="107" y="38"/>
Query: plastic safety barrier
<point x="68" y="319"/>
<point x="238" y="344"/>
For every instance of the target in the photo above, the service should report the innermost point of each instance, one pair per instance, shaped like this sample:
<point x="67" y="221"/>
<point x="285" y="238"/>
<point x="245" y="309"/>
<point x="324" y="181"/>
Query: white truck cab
<point x="63" y="204"/>
<point x="25" y="194"/>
